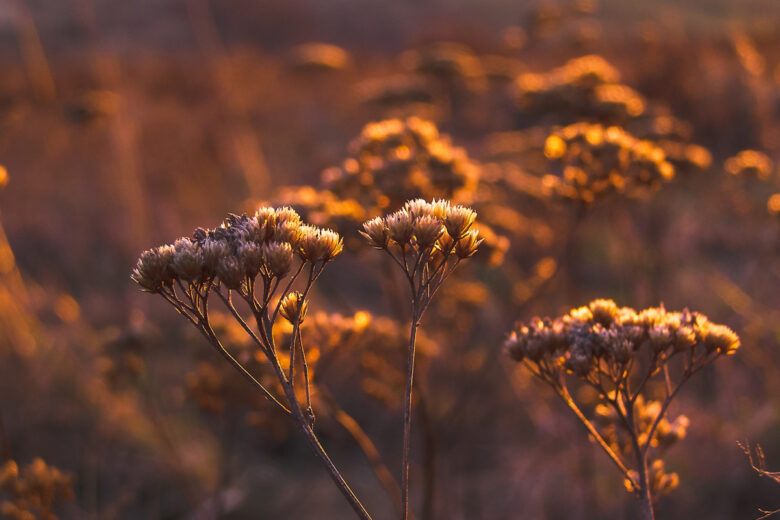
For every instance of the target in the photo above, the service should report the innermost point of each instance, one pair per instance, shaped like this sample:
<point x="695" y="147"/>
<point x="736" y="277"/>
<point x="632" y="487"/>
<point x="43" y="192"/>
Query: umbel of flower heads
<point x="618" y="352"/>
<point x="259" y="260"/>
<point x="427" y="240"/>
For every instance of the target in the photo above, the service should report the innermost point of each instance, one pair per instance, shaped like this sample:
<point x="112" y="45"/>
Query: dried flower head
<point x="293" y="307"/>
<point x="153" y="269"/>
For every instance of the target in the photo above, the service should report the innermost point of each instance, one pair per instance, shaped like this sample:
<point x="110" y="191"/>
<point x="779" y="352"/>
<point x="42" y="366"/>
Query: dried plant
<point x="758" y="463"/>
<point x="33" y="490"/>
<point x="583" y="87"/>
<point x="593" y="161"/>
<point x="750" y="163"/>
<point x="619" y="352"/>
<point x="427" y="240"/>
<point x="252" y="258"/>
<point x="395" y="160"/>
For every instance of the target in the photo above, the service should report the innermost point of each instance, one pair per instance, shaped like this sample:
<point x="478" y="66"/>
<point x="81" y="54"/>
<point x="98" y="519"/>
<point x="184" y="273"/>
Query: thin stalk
<point x="408" y="417"/>
<point x="366" y="445"/>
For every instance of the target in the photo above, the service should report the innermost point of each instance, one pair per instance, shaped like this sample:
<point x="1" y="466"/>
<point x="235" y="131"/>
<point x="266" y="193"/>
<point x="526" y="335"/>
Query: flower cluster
<point x="422" y="236"/>
<point x="32" y="491"/>
<point x="665" y="435"/>
<point x="237" y="252"/>
<point x="593" y="160"/>
<point x="590" y="339"/>
<point x="585" y="87"/>
<point x="617" y="351"/>
<point x="394" y="160"/>
<point x="750" y="163"/>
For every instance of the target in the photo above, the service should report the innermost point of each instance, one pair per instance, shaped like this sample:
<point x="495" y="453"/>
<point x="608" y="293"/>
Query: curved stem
<point x="366" y="445"/>
<point x="564" y="394"/>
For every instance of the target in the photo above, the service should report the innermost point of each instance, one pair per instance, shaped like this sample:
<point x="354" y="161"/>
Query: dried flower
<point x="293" y="307"/>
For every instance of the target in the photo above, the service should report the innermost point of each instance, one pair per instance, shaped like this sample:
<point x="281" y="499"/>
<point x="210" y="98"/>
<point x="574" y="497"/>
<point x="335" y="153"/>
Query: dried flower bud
<point x="278" y="258"/>
<point x="401" y="227"/>
<point x="660" y="337"/>
<point x="603" y="311"/>
<point x="319" y="245"/>
<point x="288" y="231"/>
<point x="427" y="230"/>
<point x="231" y="272"/>
<point x="187" y="259"/>
<point x="250" y="255"/>
<point x="418" y="208"/>
<point x="684" y="338"/>
<point x="214" y="250"/>
<point x="153" y="269"/>
<point x="721" y="338"/>
<point x="287" y="214"/>
<point x="458" y="220"/>
<point x="376" y="233"/>
<point x="293" y="306"/>
<point x="468" y="245"/>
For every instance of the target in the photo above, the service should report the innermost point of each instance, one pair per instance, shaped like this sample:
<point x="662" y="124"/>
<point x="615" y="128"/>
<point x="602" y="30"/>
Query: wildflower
<point x="187" y="262"/>
<point x="231" y="272"/>
<point x="278" y="258"/>
<point x="153" y="269"/>
<point x="376" y="232"/>
<point x="617" y="351"/>
<point x="293" y="307"/>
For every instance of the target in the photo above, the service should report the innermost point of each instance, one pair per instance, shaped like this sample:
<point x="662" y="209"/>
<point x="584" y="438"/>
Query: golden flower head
<point x="458" y="220"/>
<point x="427" y="230"/>
<point x="468" y="244"/>
<point x="293" y="307"/>
<point x="376" y="233"/>
<point x="401" y="226"/>
<point x="319" y="245"/>
<point x="278" y="258"/>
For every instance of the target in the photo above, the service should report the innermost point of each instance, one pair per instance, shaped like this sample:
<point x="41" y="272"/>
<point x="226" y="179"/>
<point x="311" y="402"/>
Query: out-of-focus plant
<point x="620" y="353"/>
<point x="758" y="463"/>
<point x="593" y="160"/>
<point x="750" y="163"/>
<point x="427" y="240"/>
<point x="32" y="492"/>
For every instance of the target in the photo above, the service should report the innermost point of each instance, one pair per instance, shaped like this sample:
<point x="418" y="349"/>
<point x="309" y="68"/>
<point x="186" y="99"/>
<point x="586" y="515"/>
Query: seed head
<point x="278" y="257"/>
<point x="287" y="214"/>
<point x="153" y="269"/>
<point x="427" y="230"/>
<point x="288" y="231"/>
<point x="293" y="306"/>
<point x="187" y="259"/>
<point x="458" y="220"/>
<point x="684" y="338"/>
<point x="468" y="245"/>
<point x="231" y="272"/>
<point x="418" y="208"/>
<point x="250" y="254"/>
<point x="214" y="250"/>
<point x="319" y="245"/>
<point x="721" y="338"/>
<point x="401" y="227"/>
<point x="376" y="233"/>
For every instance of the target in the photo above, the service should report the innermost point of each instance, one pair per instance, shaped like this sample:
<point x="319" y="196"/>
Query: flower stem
<point x="408" y="419"/>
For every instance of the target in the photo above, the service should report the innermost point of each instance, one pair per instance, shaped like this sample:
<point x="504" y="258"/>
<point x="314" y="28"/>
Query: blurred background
<point x="124" y="125"/>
